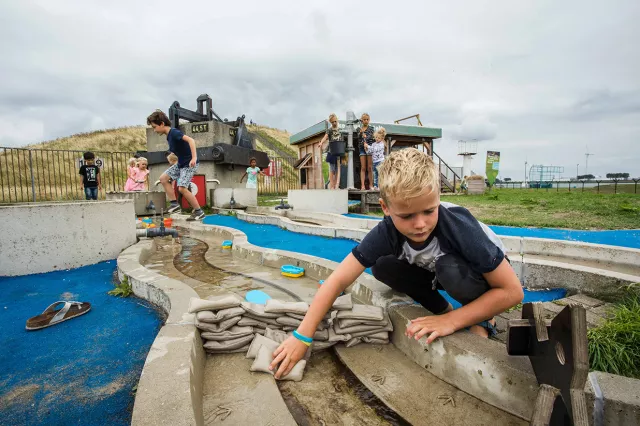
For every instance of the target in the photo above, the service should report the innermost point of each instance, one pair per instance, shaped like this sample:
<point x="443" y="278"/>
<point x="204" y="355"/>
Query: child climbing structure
<point x="224" y="150"/>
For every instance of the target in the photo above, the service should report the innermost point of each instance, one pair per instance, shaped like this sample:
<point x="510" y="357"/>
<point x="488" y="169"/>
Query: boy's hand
<point x="287" y="355"/>
<point x="192" y="163"/>
<point x="437" y="325"/>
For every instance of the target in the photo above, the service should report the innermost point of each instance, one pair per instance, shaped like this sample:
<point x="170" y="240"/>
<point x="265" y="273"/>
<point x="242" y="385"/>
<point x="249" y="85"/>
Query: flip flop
<point x="51" y="316"/>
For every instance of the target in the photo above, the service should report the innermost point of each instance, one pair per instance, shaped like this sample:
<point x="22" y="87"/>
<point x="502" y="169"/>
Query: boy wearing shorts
<point x="184" y="148"/>
<point x="422" y="245"/>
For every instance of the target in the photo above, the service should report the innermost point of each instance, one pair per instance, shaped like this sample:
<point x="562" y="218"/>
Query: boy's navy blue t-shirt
<point x="179" y="147"/>
<point x="457" y="232"/>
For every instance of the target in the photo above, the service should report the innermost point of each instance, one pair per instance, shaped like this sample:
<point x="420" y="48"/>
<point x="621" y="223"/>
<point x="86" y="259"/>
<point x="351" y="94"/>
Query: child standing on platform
<point x="376" y="150"/>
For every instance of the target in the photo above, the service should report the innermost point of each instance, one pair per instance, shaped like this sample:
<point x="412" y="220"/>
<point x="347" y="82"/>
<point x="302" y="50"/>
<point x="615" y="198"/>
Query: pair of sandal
<point x="52" y="316"/>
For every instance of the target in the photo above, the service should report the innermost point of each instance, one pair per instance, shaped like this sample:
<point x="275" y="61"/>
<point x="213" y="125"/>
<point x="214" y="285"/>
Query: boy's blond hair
<point x="407" y="173"/>
<point x="332" y="115"/>
<point x="382" y="132"/>
<point x="172" y="158"/>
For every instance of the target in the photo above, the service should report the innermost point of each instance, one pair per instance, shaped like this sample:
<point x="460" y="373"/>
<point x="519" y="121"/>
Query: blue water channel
<point x="622" y="237"/>
<point x="336" y="249"/>
<point x="81" y="371"/>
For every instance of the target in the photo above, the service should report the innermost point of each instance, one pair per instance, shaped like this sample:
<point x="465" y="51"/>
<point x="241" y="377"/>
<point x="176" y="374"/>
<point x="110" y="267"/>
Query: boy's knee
<point x="164" y="178"/>
<point x="459" y="280"/>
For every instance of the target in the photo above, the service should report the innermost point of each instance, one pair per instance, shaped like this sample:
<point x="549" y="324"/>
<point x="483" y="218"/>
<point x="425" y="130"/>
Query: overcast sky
<point x="538" y="81"/>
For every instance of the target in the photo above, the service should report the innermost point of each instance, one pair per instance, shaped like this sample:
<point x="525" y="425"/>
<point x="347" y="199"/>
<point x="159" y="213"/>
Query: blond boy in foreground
<point x="422" y="245"/>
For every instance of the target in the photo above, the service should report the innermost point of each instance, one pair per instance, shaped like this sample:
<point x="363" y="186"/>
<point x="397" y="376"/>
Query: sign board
<point x="200" y="128"/>
<point x="98" y="162"/>
<point x="274" y="169"/>
<point x="493" y="166"/>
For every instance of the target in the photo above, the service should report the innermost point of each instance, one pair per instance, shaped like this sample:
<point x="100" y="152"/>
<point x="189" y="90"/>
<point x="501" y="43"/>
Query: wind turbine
<point x="586" y="165"/>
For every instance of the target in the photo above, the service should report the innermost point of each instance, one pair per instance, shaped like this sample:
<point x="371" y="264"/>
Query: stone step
<point x="415" y="394"/>
<point x="233" y="395"/>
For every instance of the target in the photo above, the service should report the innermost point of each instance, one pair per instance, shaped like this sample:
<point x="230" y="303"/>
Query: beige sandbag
<point x="347" y="322"/>
<point x="257" y="310"/>
<point x="246" y="321"/>
<point x="233" y="333"/>
<point x="225" y="345"/>
<point x="343" y="303"/>
<point x="275" y="335"/>
<point x="334" y="337"/>
<point x="363" y="312"/>
<point x="259" y="341"/>
<point x="214" y="303"/>
<point x="265" y="357"/>
<point x="216" y="328"/>
<point x="269" y="321"/>
<point x="276" y="306"/>
<point x="227" y="351"/>
<point x="317" y="346"/>
<point x="221" y="315"/>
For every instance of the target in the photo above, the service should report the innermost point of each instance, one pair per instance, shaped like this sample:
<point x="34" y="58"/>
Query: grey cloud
<point x="535" y="81"/>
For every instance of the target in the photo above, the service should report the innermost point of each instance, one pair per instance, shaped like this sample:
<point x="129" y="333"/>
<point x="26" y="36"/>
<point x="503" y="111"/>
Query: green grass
<point x="541" y="208"/>
<point x="123" y="289"/>
<point x="614" y="346"/>
<point x="268" y="200"/>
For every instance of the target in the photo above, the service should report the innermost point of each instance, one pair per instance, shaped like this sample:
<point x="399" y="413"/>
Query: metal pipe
<point x="156" y="232"/>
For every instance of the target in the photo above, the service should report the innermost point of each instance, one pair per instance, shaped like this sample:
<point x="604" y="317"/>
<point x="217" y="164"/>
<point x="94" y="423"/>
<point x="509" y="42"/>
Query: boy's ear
<point x="385" y="208"/>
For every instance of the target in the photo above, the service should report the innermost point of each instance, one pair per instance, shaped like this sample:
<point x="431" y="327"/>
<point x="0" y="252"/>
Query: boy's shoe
<point x="173" y="208"/>
<point x="196" y="215"/>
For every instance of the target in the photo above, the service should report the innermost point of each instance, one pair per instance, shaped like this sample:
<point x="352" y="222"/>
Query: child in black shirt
<point x="90" y="176"/>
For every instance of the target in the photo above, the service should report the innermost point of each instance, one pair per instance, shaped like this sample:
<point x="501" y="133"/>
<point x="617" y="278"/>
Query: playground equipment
<point x="224" y="149"/>
<point x="542" y="176"/>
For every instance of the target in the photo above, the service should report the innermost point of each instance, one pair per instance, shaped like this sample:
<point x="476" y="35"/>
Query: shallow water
<point x="335" y="249"/>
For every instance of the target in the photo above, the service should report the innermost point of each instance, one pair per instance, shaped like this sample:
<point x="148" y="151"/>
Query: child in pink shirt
<point x="131" y="175"/>
<point x="141" y="176"/>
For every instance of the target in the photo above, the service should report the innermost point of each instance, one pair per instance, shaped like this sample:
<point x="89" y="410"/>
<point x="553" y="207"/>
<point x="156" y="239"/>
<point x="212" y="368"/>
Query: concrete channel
<point x="484" y="385"/>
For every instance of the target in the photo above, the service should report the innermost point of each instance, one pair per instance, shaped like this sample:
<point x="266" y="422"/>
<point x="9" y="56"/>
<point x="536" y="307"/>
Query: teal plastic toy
<point x="292" y="271"/>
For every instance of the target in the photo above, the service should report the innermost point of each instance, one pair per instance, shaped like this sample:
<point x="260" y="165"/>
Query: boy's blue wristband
<point x="300" y="337"/>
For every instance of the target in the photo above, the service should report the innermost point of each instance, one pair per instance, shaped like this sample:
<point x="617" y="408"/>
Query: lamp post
<point x="525" y="174"/>
<point x="577" y="172"/>
<point x="351" y="118"/>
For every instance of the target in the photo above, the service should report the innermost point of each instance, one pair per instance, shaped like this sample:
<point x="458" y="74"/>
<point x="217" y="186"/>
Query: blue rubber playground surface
<point x="336" y="249"/>
<point x="78" y="372"/>
<point x="623" y="237"/>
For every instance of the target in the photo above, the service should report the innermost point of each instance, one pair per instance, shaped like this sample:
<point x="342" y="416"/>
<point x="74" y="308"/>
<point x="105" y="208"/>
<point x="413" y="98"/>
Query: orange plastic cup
<point x="168" y="222"/>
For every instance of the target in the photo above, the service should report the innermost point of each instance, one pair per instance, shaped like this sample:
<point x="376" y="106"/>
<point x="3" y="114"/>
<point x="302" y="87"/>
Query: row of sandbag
<point x="228" y="324"/>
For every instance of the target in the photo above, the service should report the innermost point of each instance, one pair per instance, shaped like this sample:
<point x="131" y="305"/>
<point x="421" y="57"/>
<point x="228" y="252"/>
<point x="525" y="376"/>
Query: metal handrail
<point x="448" y="169"/>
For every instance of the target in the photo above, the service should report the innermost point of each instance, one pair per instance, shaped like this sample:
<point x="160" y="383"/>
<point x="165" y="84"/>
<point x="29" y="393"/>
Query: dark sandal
<point x="51" y="316"/>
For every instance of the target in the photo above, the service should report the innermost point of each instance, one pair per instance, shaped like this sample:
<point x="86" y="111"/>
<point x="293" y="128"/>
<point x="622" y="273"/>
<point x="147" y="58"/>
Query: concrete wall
<point x="218" y="133"/>
<point x="244" y="196"/>
<point x="38" y="238"/>
<point x="141" y="200"/>
<point x="319" y="200"/>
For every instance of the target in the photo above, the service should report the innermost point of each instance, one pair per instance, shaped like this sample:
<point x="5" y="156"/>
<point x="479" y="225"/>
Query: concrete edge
<point x="488" y="374"/>
<point x="601" y="283"/>
<point x="170" y="386"/>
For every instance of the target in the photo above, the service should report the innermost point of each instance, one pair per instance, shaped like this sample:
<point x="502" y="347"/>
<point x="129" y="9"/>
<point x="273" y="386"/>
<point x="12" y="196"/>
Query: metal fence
<point x="606" y="186"/>
<point x="33" y="175"/>
<point x="280" y="177"/>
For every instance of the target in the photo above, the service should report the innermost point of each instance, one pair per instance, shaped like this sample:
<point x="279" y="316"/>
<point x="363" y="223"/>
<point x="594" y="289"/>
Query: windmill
<point x="586" y="165"/>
